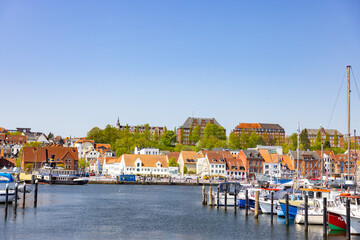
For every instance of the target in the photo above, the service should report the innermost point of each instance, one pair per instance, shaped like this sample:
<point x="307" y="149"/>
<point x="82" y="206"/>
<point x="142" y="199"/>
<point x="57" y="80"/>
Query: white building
<point x="272" y="169"/>
<point x="146" y="151"/>
<point x="43" y="139"/>
<point x="211" y="164"/>
<point x="148" y="165"/>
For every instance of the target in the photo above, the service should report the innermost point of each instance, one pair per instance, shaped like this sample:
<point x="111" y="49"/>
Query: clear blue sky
<point x="67" y="66"/>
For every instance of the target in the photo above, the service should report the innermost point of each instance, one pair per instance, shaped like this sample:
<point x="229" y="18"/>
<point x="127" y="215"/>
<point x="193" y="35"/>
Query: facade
<point x="331" y="132"/>
<point x="144" y="165"/>
<point x="60" y="155"/>
<point x="183" y="132"/>
<point x="309" y="163"/>
<point x="83" y="147"/>
<point x="252" y="162"/>
<point x="43" y="139"/>
<point x="12" y="139"/>
<point x="110" y="166"/>
<point x="147" y="151"/>
<point x="235" y="169"/>
<point x="272" y="133"/>
<point x="140" y="128"/>
<point x="188" y="159"/>
<point x="212" y="164"/>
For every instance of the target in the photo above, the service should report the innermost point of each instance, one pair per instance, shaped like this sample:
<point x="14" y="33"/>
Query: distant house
<point x="309" y="163"/>
<point x="144" y="165"/>
<point x="252" y="161"/>
<point x="139" y="128"/>
<point x="183" y="132"/>
<point x="60" y="155"/>
<point x="43" y="139"/>
<point x="146" y="151"/>
<point x="212" y="164"/>
<point x="111" y="166"/>
<point x="188" y="159"/>
<point x="312" y="133"/>
<point x="271" y="133"/>
<point x="12" y="139"/>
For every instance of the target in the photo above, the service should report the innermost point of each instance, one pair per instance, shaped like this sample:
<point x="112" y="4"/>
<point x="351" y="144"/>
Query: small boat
<point x="5" y="179"/>
<point x="295" y="200"/>
<point x="265" y="201"/>
<point x="315" y="213"/>
<point x="230" y="189"/>
<point x="336" y="216"/>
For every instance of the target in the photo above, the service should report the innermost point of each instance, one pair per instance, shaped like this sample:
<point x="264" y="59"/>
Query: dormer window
<point x="214" y="160"/>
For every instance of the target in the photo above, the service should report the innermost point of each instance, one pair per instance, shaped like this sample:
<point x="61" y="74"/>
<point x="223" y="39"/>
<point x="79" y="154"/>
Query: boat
<point x="230" y="189"/>
<point x="265" y="201"/>
<point x="251" y="198"/>
<point x="315" y="213"/>
<point x="5" y="179"/>
<point x="336" y="217"/>
<point x="295" y="200"/>
<point x="49" y="173"/>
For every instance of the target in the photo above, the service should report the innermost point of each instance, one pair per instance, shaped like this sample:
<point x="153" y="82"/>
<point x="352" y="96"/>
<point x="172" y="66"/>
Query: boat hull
<point x="266" y="207"/>
<point x="354" y="224"/>
<point x="66" y="182"/>
<point x="292" y="210"/>
<point x="11" y="196"/>
<point x="336" y="221"/>
<point x="313" y="219"/>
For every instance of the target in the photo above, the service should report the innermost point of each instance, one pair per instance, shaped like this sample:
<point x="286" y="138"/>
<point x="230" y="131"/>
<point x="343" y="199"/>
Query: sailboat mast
<point x="355" y="159"/>
<point x="348" y="77"/>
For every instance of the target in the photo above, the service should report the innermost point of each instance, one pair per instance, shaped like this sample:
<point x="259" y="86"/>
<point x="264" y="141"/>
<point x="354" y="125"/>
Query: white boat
<point x="230" y="189"/>
<point x="5" y="179"/>
<point x="265" y="200"/>
<point x="315" y="212"/>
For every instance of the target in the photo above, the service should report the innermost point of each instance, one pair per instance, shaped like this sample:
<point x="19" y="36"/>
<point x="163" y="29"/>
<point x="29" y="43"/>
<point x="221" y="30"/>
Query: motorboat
<point x="315" y="212"/>
<point x="5" y="179"/>
<point x="230" y="189"/>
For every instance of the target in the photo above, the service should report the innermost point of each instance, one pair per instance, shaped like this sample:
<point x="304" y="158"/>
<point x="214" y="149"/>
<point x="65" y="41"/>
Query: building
<point x="188" y="159"/>
<point x="212" y="164"/>
<point x="272" y="133"/>
<point x="312" y="133"/>
<point x="146" y="151"/>
<point x="183" y="132"/>
<point x="12" y="139"/>
<point x="309" y="163"/>
<point x="68" y="156"/>
<point x="110" y="166"/>
<point x="329" y="160"/>
<point x="140" y="128"/>
<point x="252" y="162"/>
<point x="144" y="165"/>
<point x="272" y="164"/>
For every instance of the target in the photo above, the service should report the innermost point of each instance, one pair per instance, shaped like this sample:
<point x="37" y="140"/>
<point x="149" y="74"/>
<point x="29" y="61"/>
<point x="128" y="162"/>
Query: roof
<point x="40" y="154"/>
<point x="216" y="158"/>
<point x="147" y="160"/>
<point x="285" y="160"/>
<point x="3" y="130"/>
<point x="331" y="132"/>
<point x="260" y="125"/>
<point x="328" y="153"/>
<point x="252" y="154"/>
<point x="174" y="155"/>
<point x="268" y="157"/>
<point x="199" y="121"/>
<point x="314" y="154"/>
<point x="110" y="160"/>
<point x="235" y="165"/>
<point x="190" y="155"/>
<point x="102" y="145"/>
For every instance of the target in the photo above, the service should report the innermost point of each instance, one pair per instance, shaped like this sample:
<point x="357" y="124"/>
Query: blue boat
<point x="242" y="203"/>
<point x="295" y="200"/>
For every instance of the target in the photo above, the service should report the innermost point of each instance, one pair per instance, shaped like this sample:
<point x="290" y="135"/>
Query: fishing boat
<point x="5" y="179"/>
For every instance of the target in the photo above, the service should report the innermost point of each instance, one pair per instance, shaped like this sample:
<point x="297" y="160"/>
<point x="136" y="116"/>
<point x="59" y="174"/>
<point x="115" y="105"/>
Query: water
<point x="138" y="212"/>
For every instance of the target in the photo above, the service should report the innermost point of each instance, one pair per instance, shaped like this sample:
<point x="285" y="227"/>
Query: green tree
<point x="234" y="141"/>
<point x="255" y="139"/>
<point x="14" y="133"/>
<point x="169" y="138"/>
<point x="327" y="142"/>
<point x="304" y="140"/>
<point x="336" y="139"/>
<point x="50" y="135"/>
<point x="293" y="140"/>
<point x="172" y="162"/>
<point x="146" y="133"/>
<point x="95" y="134"/>
<point x="82" y="163"/>
<point x="244" y="140"/>
<point x="318" y="139"/>
<point x="185" y="169"/>
<point x="196" y="134"/>
<point x="29" y="167"/>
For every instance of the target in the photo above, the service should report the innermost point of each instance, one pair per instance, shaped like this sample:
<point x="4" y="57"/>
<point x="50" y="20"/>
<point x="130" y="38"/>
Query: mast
<point x="297" y="157"/>
<point x="321" y="160"/>
<point x="355" y="159"/>
<point x="348" y="77"/>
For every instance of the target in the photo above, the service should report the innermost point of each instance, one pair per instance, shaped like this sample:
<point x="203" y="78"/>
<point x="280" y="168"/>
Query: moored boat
<point x="6" y="178"/>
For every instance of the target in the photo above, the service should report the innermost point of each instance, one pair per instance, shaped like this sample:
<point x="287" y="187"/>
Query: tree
<point x="327" y="142"/>
<point x="293" y="139"/>
<point x="304" y="140"/>
<point x="29" y="167"/>
<point x="255" y="139"/>
<point x="196" y="134"/>
<point x="318" y="139"/>
<point x="95" y="134"/>
<point x="336" y="139"/>
<point x="50" y="135"/>
<point x="185" y="169"/>
<point x="244" y="140"/>
<point x="82" y="163"/>
<point x="172" y="162"/>
<point x="234" y="141"/>
<point x="14" y="133"/>
<point x="168" y="138"/>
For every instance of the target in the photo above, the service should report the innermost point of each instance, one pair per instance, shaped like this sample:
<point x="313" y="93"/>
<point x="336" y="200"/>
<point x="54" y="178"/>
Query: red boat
<point x="336" y="221"/>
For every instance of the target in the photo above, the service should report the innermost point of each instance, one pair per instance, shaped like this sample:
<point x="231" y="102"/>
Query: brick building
<point x="12" y="139"/>
<point x="191" y="123"/>
<point x="272" y="133"/>
<point x="61" y="155"/>
<point x="312" y="133"/>
<point x="252" y="162"/>
<point x="309" y="163"/>
<point x="140" y="128"/>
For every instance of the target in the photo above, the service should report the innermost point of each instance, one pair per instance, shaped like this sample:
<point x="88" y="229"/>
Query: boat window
<point x="352" y="201"/>
<point x="311" y="194"/>
<point x="318" y="195"/>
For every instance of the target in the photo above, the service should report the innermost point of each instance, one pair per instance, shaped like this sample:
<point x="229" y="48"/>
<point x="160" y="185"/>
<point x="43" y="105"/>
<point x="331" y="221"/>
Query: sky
<point x="68" y="66"/>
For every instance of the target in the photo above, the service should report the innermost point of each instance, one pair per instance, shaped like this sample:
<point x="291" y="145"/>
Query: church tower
<point x="118" y="124"/>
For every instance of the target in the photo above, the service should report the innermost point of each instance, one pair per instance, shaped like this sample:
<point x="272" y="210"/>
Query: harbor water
<point x="139" y="212"/>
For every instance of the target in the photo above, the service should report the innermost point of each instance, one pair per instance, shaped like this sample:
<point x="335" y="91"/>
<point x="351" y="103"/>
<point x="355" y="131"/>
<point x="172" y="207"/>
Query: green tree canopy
<point x="336" y="139"/>
<point x="234" y="141"/>
<point x="304" y="140"/>
<point x="172" y="162"/>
